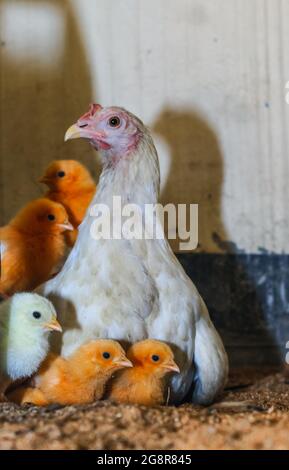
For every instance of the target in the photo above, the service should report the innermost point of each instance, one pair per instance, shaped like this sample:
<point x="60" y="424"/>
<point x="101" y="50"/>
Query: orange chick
<point x="144" y="384"/>
<point x="79" y="379"/>
<point x="32" y="245"/>
<point x="71" y="184"/>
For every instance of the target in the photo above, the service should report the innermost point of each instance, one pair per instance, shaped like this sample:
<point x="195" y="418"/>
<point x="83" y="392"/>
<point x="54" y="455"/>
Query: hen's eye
<point x="61" y="174"/>
<point x="114" y="121"/>
<point x="106" y="355"/>
<point x="155" y="357"/>
<point x="51" y="217"/>
<point x="36" y="315"/>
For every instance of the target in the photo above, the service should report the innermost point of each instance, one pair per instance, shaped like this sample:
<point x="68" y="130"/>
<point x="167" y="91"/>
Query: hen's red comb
<point x="93" y="108"/>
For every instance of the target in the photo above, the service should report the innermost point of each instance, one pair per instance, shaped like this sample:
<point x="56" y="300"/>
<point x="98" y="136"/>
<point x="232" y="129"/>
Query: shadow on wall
<point x="196" y="174"/>
<point x="228" y="280"/>
<point x="40" y="99"/>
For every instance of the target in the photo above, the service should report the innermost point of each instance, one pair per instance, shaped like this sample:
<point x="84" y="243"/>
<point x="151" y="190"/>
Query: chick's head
<point x="33" y="312"/>
<point x="154" y="356"/>
<point x="31" y="318"/>
<point x="42" y="216"/>
<point x="103" y="355"/>
<point x="65" y="175"/>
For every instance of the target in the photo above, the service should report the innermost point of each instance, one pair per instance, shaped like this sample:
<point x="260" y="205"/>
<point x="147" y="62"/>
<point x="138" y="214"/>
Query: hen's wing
<point x="183" y="320"/>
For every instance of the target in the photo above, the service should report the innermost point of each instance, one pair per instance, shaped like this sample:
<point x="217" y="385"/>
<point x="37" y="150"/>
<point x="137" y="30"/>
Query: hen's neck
<point x="135" y="177"/>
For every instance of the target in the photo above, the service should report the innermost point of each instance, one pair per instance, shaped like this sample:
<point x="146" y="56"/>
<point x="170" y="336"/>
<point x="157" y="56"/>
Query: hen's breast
<point x="105" y="292"/>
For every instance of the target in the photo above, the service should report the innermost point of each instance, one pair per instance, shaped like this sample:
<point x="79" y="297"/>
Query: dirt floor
<point x="252" y="414"/>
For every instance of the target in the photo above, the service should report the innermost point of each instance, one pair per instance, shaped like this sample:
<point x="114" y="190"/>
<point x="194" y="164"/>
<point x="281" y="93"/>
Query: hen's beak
<point x="123" y="361"/>
<point x="172" y="366"/>
<point x="66" y="226"/>
<point x="53" y="325"/>
<point x="86" y="132"/>
<point x="72" y="133"/>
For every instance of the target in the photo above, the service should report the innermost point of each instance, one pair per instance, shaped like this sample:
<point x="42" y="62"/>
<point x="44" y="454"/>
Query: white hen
<point x="129" y="290"/>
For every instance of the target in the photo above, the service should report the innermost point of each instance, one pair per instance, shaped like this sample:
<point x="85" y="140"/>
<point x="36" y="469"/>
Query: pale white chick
<point x="26" y="319"/>
<point x="132" y="289"/>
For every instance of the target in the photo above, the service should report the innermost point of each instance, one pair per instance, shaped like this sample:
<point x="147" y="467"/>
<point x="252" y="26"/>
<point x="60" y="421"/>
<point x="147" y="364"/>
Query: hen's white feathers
<point x="129" y="290"/>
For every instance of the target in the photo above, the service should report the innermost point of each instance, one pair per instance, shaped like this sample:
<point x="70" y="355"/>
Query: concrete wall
<point x="208" y="77"/>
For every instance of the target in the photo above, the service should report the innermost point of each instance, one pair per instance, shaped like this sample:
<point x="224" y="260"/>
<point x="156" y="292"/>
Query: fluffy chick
<point x="79" y="379"/>
<point x="32" y="246"/>
<point x="25" y="322"/>
<point x="71" y="184"/>
<point x="144" y="384"/>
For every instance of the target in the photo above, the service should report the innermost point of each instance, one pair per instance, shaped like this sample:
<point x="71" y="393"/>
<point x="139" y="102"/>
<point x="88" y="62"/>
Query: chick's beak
<point x="172" y="366"/>
<point x="44" y="179"/>
<point x="123" y="361"/>
<point x="66" y="226"/>
<point x="54" y="325"/>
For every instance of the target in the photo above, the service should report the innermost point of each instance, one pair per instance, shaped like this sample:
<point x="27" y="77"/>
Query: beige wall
<point x="207" y="76"/>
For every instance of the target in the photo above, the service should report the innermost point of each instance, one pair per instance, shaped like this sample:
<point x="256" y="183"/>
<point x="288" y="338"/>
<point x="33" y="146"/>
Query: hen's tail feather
<point x="211" y="361"/>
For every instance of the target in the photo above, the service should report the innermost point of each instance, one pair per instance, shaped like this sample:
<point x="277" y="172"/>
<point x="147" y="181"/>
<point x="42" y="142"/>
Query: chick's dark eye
<point x="155" y="357"/>
<point x="36" y="315"/>
<point x="106" y="355"/>
<point x="61" y="174"/>
<point x="114" y="121"/>
<point x="51" y="217"/>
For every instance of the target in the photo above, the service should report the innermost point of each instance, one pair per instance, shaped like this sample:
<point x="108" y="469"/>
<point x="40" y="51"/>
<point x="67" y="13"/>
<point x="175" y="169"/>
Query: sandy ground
<point x="252" y="414"/>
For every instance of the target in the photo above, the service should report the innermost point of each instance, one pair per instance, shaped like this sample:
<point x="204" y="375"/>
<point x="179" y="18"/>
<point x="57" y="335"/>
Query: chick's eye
<point x="61" y="174"/>
<point x="155" y="357"/>
<point x="114" y="121"/>
<point x="51" y="217"/>
<point x="106" y="355"/>
<point x="36" y="315"/>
